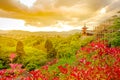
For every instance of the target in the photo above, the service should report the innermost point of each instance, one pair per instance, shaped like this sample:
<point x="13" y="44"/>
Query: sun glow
<point x="28" y="3"/>
<point x="103" y="11"/>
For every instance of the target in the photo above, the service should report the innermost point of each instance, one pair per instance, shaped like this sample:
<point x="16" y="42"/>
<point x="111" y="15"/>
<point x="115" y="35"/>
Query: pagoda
<point x="84" y="30"/>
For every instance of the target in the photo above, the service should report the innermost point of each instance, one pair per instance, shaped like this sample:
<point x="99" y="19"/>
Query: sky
<point x="54" y="15"/>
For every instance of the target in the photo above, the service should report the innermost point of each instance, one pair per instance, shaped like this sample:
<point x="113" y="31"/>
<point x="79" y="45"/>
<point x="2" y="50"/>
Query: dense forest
<point x="35" y="49"/>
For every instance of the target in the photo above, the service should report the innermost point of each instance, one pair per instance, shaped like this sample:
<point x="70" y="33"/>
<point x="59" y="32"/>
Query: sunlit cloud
<point x="14" y="24"/>
<point x="28" y="3"/>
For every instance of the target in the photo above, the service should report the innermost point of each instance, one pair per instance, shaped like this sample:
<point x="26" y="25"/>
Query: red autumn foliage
<point x="97" y="67"/>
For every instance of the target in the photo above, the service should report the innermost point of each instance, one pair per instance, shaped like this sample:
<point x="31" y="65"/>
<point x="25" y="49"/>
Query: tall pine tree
<point x="50" y="49"/>
<point x="20" y="51"/>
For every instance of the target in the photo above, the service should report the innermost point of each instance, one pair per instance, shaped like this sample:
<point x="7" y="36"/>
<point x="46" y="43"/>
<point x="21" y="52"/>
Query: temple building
<point x="84" y="31"/>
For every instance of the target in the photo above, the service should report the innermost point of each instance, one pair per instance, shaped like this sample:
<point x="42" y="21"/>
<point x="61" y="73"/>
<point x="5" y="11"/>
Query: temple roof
<point x="84" y="27"/>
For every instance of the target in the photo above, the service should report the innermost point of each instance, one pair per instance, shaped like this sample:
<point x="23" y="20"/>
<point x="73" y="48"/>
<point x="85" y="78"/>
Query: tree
<point x="48" y="45"/>
<point x="0" y="49"/>
<point x="50" y="49"/>
<point x="113" y="36"/>
<point x="20" y="51"/>
<point x="52" y="53"/>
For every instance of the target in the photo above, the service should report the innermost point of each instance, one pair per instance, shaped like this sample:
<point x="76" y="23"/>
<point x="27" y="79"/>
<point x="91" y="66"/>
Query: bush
<point x="31" y="66"/>
<point x="34" y="57"/>
<point x="1" y="65"/>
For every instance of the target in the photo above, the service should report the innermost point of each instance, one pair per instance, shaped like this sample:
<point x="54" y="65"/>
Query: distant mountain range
<point x="20" y="31"/>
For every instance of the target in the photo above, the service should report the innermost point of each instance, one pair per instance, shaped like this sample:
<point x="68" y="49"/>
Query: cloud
<point x="114" y="5"/>
<point x="66" y="2"/>
<point x="44" y="4"/>
<point x="10" y="5"/>
<point x="49" y="12"/>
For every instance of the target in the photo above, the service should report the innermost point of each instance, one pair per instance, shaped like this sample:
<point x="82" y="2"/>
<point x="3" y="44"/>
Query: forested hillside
<point x="34" y="49"/>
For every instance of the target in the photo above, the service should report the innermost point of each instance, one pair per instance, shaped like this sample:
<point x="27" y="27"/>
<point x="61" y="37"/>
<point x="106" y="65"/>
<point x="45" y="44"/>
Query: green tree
<point x="113" y="36"/>
<point x="52" y="53"/>
<point x="50" y="49"/>
<point x="48" y="45"/>
<point x="20" y="51"/>
<point x="116" y="24"/>
<point x="0" y="49"/>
